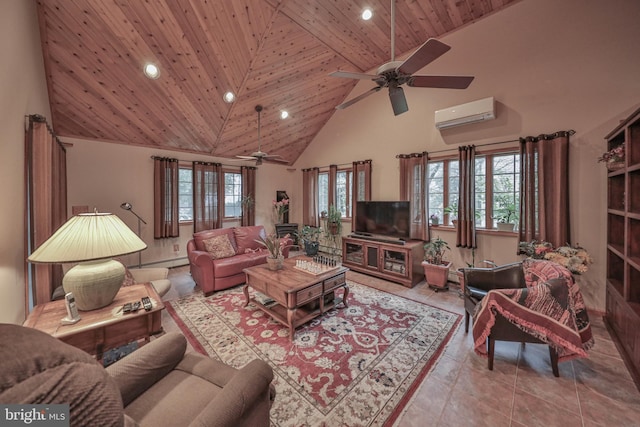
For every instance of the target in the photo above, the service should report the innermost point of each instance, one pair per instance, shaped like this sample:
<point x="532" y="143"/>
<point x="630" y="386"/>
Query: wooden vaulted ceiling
<point x="277" y="53"/>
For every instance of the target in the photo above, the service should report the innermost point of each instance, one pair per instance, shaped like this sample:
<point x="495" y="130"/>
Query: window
<point x="506" y="187"/>
<point x="442" y="185"/>
<point x="323" y="192"/>
<point x="232" y="194"/>
<point x="497" y="188"/>
<point x="343" y="190"/>
<point x="185" y="194"/>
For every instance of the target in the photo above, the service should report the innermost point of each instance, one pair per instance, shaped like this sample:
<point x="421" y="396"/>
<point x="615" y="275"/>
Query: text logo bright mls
<point x="34" y="415"/>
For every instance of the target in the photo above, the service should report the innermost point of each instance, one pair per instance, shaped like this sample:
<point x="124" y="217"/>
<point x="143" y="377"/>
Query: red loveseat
<point x="216" y="261"/>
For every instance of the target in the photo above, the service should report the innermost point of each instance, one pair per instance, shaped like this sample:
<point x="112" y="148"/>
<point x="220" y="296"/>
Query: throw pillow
<point x="538" y="271"/>
<point x="219" y="247"/>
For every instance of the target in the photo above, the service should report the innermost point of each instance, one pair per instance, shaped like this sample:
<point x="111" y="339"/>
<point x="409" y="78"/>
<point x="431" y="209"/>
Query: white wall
<point x="104" y="175"/>
<point x="22" y="92"/>
<point x="551" y="65"/>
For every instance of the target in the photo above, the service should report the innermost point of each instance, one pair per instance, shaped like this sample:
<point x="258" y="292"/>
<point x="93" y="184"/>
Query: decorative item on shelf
<point x="436" y="270"/>
<point x="575" y="258"/>
<point x="91" y="240"/>
<point x="279" y="209"/>
<point x="309" y="237"/>
<point x="435" y="220"/>
<point x="614" y="158"/>
<point x="275" y="245"/>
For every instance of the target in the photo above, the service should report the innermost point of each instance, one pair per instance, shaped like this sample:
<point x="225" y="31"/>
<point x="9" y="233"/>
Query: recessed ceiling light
<point x="229" y="97"/>
<point x="284" y="114"/>
<point x="367" y="14"/>
<point x="151" y="70"/>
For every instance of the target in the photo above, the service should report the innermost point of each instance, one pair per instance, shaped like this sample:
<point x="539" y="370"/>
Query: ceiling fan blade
<point x="445" y="82"/>
<point x="349" y="75"/>
<point x="246" y="157"/>
<point x="275" y="159"/>
<point x="358" y="98"/>
<point x="398" y="101"/>
<point x="430" y="50"/>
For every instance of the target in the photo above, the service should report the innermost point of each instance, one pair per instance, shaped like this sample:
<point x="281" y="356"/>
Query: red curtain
<point x="165" y="198"/>
<point x="333" y="176"/>
<point x="466" y="231"/>
<point x="310" y="214"/>
<point x="361" y="173"/>
<point x="248" y="195"/>
<point x="413" y="170"/>
<point x="46" y="169"/>
<point x="544" y="190"/>
<point x="208" y="196"/>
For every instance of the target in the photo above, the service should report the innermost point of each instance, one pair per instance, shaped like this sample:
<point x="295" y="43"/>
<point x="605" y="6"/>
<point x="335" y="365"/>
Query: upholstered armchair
<point x="157" y="385"/>
<point x="157" y="276"/>
<point x="533" y="301"/>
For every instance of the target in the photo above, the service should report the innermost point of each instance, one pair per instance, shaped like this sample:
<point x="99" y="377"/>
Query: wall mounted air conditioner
<point x="471" y="112"/>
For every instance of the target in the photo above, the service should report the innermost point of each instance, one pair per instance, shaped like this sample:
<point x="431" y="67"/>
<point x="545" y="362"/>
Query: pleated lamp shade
<point x="91" y="239"/>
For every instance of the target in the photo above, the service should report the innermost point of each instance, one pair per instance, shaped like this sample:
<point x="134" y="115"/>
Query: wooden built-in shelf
<point x="623" y="245"/>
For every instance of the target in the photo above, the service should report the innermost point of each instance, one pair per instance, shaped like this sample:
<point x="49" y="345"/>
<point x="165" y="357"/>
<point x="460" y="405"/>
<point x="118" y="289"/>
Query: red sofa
<point x="214" y="274"/>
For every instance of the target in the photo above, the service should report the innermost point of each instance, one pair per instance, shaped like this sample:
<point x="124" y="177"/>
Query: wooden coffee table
<point x="294" y="297"/>
<point x="105" y="328"/>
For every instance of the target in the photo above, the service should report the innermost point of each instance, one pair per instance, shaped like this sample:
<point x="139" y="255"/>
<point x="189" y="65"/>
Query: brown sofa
<point x="157" y="385"/>
<point x="216" y="271"/>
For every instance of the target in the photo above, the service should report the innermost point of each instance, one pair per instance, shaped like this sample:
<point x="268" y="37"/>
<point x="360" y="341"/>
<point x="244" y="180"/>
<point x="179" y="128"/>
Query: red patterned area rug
<point x="355" y="366"/>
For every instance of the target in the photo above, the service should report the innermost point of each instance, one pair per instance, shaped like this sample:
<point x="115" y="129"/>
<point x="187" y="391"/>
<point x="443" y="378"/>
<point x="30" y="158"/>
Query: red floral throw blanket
<point x="548" y="311"/>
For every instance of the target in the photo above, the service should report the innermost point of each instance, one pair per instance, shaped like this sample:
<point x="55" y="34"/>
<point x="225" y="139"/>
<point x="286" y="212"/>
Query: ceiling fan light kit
<point x="260" y="156"/>
<point x="471" y="112"/>
<point x="394" y="74"/>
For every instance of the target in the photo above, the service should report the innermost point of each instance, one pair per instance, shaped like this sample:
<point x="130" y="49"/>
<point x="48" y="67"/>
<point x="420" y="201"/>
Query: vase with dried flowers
<point x="275" y="246"/>
<point x="279" y="209"/>
<point x="614" y="158"/>
<point x="575" y="258"/>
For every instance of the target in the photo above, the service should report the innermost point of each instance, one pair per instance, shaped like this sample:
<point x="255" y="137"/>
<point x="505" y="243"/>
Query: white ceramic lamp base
<point x="94" y="283"/>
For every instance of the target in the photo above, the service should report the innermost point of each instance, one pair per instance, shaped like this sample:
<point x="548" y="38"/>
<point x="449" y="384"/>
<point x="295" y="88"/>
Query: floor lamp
<point x="128" y="207"/>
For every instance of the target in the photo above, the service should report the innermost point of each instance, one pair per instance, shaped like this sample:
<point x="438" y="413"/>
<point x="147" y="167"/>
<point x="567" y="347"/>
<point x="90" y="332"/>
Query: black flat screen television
<point x="390" y="219"/>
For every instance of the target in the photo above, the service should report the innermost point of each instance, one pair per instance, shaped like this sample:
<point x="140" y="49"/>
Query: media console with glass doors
<point x="397" y="262"/>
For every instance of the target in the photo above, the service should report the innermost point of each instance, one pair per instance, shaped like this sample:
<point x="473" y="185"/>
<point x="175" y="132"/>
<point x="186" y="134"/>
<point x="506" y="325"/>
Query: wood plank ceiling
<point x="277" y="53"/>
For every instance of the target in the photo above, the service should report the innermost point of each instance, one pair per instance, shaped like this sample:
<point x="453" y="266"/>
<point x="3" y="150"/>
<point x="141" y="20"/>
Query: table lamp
<point x="91" y="240"/>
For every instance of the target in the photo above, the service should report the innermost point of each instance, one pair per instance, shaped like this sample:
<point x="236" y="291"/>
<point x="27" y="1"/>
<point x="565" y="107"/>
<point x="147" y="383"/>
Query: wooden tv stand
<point x="395" y="262"/>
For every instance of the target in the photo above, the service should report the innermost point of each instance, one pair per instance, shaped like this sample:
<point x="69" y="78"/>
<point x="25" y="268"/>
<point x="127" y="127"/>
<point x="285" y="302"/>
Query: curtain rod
<point x="201" y="161"/>
<point x="477" y="145"/>
<point x="541" y="136"/>
<point x="343" y="164"/>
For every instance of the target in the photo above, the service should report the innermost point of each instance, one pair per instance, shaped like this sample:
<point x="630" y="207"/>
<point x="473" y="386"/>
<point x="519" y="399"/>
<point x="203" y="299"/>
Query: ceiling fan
<point x="396" y="73"/>
<point x="260" y="156"/>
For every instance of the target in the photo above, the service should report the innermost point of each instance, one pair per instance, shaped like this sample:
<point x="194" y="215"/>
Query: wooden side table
<point x="105" y="328"/>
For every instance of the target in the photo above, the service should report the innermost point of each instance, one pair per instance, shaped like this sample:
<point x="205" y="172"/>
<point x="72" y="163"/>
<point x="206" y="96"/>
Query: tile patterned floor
<point x="521" y="391"/>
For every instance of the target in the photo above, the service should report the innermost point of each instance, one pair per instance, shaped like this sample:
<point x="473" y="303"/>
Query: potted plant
<point x="274" y="245"/>
<point x="436" y="270"/>
<point x="334" y="221"/>
<point x="506" y="217"/>
<point x="435" y="219"/>
<point x="460" y="271"/>
<point x="309" y="237"/>
<point x="279" y="209"/>
<point x="452" y="211"/>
